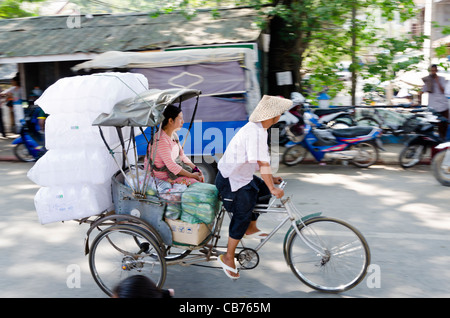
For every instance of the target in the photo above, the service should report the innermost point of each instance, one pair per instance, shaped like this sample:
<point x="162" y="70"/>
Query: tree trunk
<point x="283" y="56"/>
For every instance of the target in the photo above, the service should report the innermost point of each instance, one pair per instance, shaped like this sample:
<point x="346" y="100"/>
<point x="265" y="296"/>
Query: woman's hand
<point x="198" y="176"/>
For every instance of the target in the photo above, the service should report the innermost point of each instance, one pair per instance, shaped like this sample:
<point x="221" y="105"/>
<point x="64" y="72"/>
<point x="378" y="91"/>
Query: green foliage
<point x="12" y="9"/>
<point x="317" y="34"/>
<point x="387" y="62"/>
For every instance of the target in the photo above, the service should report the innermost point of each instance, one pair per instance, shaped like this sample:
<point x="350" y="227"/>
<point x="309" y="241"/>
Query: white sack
<point x="87" y="165"/>
<point x="69" y="202"/>
<point x="96" y="93"/>
<point x="75" y="130"/>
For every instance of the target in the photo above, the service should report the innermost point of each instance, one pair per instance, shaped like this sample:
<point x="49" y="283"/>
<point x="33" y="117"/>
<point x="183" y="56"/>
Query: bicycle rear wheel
<point x="124" y="250"/>
<point x="330" y="256"/>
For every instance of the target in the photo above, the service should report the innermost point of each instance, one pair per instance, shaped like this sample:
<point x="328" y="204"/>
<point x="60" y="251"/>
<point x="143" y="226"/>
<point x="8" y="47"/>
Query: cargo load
<point x="200" y="203"/>
<point x="75" y="173"/>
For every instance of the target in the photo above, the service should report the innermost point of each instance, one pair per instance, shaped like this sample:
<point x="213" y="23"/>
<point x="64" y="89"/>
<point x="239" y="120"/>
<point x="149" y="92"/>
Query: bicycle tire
<point x="22" y="153"/>
<point x="442" y="176"/>
<point x="298" y="152"/>
<point x="342" y="245"/>
<point x="411" y="155"/>
<point x="113" y="258"/>
<point x="369" y="156"/>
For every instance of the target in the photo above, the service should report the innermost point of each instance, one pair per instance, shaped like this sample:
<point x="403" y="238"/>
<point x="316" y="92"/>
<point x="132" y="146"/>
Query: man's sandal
<point x="260" y="235"/>
<point x="227" y="268"/>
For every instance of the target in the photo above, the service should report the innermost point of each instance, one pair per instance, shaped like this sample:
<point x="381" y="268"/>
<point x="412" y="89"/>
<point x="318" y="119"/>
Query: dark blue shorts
<point x="242" y="202"/>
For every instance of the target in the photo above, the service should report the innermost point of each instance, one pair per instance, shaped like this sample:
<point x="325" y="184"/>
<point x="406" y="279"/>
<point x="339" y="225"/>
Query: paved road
<point x="403" y="214"/>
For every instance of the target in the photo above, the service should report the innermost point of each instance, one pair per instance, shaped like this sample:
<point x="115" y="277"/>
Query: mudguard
<point x="288" y="233"/>
<point x="443" y="145"/>
<point x="17" y="141"/>
<point x="290" y="144"/>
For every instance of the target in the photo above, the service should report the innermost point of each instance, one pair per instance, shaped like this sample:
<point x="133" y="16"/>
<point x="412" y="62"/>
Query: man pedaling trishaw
<point x="238" y="187"/>
<point x="150" y="230"/>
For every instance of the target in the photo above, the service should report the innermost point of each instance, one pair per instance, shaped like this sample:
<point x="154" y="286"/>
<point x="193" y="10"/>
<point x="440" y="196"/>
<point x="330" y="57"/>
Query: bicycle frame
<point x="285" y="207"/>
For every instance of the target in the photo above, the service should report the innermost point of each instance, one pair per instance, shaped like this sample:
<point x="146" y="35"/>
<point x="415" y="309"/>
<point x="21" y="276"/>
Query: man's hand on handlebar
<point x="277" y="180"/>
<point x="278" y="191"/>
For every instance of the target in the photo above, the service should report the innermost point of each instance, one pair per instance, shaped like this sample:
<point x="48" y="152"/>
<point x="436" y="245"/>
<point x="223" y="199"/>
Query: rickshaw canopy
<point x="145" y="109"/>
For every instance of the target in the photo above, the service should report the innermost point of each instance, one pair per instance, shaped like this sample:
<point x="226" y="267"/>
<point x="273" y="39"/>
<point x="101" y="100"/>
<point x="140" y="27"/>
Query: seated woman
<point x="169" y="151"/>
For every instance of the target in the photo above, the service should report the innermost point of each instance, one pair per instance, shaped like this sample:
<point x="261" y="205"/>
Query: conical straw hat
<point x="270" y="107"/>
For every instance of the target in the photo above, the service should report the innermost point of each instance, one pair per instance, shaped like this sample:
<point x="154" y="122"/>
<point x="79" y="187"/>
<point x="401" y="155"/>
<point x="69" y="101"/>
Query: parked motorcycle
<point x="423" y="137"/>
<point x="359" y="145"/>
<point x="287" y="119"/>
<point x="339" y="117"/>
<point x="440" y="164"/>
<point x="30" y="145"/>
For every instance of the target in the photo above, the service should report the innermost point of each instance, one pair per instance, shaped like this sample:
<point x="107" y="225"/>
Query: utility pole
<point x="353" y="54"/>
<point x="427" y="30"/>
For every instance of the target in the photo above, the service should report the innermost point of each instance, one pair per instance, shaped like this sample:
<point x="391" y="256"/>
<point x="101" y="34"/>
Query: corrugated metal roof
<point x="50" y="35"/>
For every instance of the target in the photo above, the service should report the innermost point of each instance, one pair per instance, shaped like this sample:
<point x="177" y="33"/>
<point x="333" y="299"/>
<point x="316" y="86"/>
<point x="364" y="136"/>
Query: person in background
<point x="2" y="126"/>
<point x="41" y="116"/>
<point x="435" y="87"/>
<point x="14" y="93"/>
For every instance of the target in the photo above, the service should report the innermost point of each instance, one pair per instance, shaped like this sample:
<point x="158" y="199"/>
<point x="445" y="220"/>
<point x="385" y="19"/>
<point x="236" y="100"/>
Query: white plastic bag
<point x="75" y="173"/>
<point x="87" y="165"/>
<point x="74" y="201"/>
<point x="96" y="93"/>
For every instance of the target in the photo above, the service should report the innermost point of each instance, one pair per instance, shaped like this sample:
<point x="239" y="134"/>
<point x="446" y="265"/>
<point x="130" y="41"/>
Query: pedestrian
<point x="14" y="94"/>
<point x="2" y="126"/>
<point x="238" y="187"/>
<point x="437" y="101"/>
<point x="139" y="286"/>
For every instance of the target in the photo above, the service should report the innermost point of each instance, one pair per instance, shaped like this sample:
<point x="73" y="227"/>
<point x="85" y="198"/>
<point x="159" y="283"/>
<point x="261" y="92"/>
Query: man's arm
<point x="266" y="175"/>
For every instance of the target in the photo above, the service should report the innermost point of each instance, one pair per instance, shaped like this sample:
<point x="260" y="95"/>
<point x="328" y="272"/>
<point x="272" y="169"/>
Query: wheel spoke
<point x="343" y="263"/>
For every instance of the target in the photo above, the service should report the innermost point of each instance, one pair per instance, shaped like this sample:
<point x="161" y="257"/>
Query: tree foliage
<point x="317" y="34"/>
<point x="308" y="37"/>
<point x="13" y="9"/>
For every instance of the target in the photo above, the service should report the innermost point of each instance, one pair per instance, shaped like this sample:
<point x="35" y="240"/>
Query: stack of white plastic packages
<point x="75" y="173"/>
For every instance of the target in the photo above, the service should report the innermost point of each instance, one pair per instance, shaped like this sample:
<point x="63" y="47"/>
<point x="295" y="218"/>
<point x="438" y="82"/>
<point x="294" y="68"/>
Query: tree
<point x="313" y="35"/>
<point x="13" y="9"/>
<point x="308" y="37"/>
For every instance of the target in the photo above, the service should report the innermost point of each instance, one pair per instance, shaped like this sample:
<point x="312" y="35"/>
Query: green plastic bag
<point x="200" y="203"/>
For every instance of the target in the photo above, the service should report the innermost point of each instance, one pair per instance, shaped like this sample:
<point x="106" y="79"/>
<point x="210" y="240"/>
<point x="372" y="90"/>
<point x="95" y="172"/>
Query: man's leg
<point x="228" y="258"/>
<point x="263" y="192"/>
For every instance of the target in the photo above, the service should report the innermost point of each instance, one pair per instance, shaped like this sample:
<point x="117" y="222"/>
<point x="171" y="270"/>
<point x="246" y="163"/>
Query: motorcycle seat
<point x="352" y="131"/>
<point x="320" y="112"/>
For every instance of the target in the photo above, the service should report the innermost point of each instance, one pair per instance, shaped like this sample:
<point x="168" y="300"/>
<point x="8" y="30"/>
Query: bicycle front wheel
<point x="124" y="250"/>
<point x="329" y="255"/>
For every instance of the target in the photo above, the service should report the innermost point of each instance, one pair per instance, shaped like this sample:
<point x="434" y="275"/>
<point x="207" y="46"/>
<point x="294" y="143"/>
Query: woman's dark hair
<point x="170" y="112"/>
<point x="139" y="286"/>
<point x="16" y="79"/>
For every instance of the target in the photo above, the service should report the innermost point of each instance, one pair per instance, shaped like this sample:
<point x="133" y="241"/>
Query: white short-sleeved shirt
<point x="240" y="160"/>
<point x="437" y="100"/>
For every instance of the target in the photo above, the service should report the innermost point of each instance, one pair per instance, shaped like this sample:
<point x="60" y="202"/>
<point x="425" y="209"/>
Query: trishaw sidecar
<point x="138" y="237"/>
